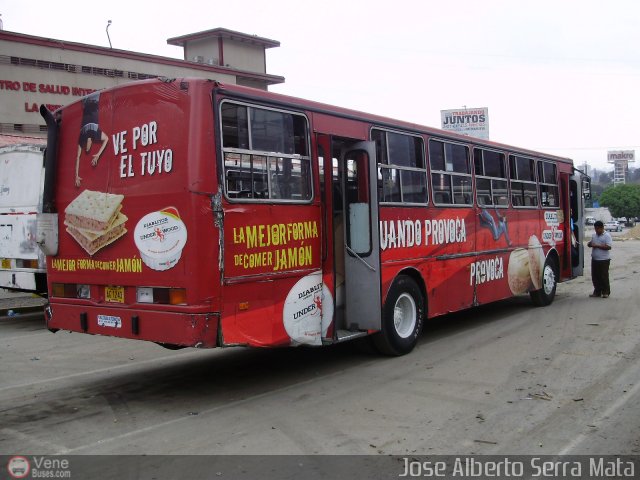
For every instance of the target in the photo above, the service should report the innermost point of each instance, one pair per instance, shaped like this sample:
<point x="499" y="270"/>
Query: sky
<point x="557" y="76"/>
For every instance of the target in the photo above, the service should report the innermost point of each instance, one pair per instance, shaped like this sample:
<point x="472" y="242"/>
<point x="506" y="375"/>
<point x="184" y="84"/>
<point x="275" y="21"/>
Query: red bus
<point x="192" y="213"/>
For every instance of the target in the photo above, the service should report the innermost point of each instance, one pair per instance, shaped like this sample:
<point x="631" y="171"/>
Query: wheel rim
<point x="548" y="279"/>
<point x="404" y="315"/>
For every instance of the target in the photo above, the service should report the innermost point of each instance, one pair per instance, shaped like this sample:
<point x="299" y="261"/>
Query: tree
<point x="622" y="200"/>
<point x="606" y="177"/>
<point x="596" y="190"/>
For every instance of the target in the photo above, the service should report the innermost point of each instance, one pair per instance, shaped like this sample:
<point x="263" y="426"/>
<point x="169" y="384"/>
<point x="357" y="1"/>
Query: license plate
<point x="109" y="321"/>
<point x="114" y="294"/>
<point x="6" y="263"/>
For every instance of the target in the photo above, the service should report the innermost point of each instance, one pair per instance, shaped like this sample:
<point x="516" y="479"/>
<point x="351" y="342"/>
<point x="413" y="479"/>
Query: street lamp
<point x="107" y="30"/>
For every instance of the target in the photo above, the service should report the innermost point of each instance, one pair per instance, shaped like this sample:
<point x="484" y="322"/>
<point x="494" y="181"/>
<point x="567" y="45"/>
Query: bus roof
<point x="309" y="105"/>
<point x="278" y="99"/>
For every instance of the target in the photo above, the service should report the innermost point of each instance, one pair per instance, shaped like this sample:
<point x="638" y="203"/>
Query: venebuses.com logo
<point x="18" y="467"/>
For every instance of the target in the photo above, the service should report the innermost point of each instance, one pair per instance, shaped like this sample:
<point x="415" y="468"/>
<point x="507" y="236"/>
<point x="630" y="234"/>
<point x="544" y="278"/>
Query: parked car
<point x="613" y="226"/>
<point x="589" y="220"/>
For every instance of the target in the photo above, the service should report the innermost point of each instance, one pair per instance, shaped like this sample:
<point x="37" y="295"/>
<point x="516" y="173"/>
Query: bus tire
<point x="402" y="318"/>
<point x="547" y="293"/>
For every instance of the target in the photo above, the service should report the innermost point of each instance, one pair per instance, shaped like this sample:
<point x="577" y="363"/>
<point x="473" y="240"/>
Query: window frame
<point x="269" y="157"/>
<point x="544" y="183"/>
<point x="451" y="174"/>
<point x="491" y="178"/>
<point x="400" y="168"/>
<point x="513" y="168"/>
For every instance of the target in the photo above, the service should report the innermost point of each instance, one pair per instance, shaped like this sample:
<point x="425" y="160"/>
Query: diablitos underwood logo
<point x="39" y="467"/>
<point x="18" y="467"/>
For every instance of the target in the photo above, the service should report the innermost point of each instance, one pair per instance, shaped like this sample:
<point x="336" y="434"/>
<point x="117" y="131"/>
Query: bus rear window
<point x="266" y="153"/>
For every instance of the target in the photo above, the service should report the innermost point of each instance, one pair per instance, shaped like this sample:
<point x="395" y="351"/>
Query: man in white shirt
<point x="600" y="259"/>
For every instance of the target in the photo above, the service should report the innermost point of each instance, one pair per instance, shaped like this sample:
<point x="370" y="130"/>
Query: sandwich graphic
<point x="95" y="220"/>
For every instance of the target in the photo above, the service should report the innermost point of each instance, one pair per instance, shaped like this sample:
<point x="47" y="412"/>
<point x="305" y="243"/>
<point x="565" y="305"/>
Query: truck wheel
<point x="546" y="294"/>
<point x="402" y="318"/>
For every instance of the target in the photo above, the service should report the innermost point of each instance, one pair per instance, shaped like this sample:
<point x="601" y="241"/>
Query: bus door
<point x="353" y="199"/>
<point x="579" y="191"/>
<point x="327" y="166"/>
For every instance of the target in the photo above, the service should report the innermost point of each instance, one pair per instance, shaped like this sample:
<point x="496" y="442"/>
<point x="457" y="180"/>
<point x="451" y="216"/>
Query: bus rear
<point x="130" y="197"/>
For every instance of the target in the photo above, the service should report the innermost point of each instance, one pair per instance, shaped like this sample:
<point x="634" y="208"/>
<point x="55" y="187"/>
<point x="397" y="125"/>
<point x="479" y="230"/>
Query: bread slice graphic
<point x="93" y="211"/>
<point x="95" y="220"/>
<point x="91" y="241"/>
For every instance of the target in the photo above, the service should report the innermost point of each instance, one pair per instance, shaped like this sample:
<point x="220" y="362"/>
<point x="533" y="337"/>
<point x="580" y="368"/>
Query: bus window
<point x="266" y="154"/>
<point x="246" y="175"/>
<point x="491" y="178"/>
<point x="524" y="192"/>
<point x="548" y="184"/>
<point x="357" y="204"/>
<point x="414" y="186"/>
<point x="450" y="173"/>
<point x="390" y="185"/>
<point x="402" y="173"/>
<point x="235" y="131"/>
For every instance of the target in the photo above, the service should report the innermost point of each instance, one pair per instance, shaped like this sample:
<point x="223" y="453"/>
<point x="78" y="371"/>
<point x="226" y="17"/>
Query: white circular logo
<point x="308" y="310"/>
<point x="18" y="467"/>
<point x="160" y="237"/>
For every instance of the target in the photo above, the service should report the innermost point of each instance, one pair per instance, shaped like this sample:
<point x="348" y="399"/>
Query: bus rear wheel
<point x="402" y="318"/>
<point x="547" y="293"/>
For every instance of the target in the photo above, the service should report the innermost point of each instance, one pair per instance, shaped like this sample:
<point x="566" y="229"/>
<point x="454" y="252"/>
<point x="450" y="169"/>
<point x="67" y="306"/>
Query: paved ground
<point x="502" y="379"/>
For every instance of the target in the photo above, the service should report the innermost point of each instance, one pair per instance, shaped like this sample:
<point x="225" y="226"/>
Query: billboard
<point x="620" y="160"/>
<point x="469" y="121"/>
<point x="618" y="155"/>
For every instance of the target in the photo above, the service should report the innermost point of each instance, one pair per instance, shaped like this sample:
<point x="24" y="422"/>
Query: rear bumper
<point x="184" y="329"/>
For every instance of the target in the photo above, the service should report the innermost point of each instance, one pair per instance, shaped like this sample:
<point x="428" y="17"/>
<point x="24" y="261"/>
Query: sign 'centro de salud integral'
<point x="469" y="121"/>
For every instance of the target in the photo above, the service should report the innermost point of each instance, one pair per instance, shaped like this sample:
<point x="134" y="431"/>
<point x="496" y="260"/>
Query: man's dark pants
<point x="600" y="276"/>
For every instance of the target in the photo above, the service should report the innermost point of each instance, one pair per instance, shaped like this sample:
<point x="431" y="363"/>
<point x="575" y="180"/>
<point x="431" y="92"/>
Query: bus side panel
<point x="454" y="293"/>
<point x="469" y="256"/>
<point x="506" y="252"/>
<point x="442" y="239"/>
<point x="274" y="292"/>
<point x="252" y="314"/>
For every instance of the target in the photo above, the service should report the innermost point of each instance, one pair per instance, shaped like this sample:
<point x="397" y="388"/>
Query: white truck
<point x="22" y="263"/>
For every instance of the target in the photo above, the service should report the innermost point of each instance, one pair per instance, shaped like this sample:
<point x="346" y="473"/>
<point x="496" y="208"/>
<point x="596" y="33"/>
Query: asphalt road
<point x="501" y="379"/>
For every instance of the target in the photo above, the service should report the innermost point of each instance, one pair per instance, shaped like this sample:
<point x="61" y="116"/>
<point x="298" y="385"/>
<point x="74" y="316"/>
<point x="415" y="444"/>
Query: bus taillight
<point x="71" y="290"/>
<point x="167" y="296"/>
<point x="177" y="296"/>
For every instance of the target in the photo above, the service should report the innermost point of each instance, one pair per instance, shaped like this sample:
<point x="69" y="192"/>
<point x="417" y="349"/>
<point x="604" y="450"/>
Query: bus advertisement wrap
<point x="191" y="213"/>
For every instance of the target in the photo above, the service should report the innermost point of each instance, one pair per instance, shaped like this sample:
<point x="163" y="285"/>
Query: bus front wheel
<point x="547" y="293"/>
<point x="402" y="318"/>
